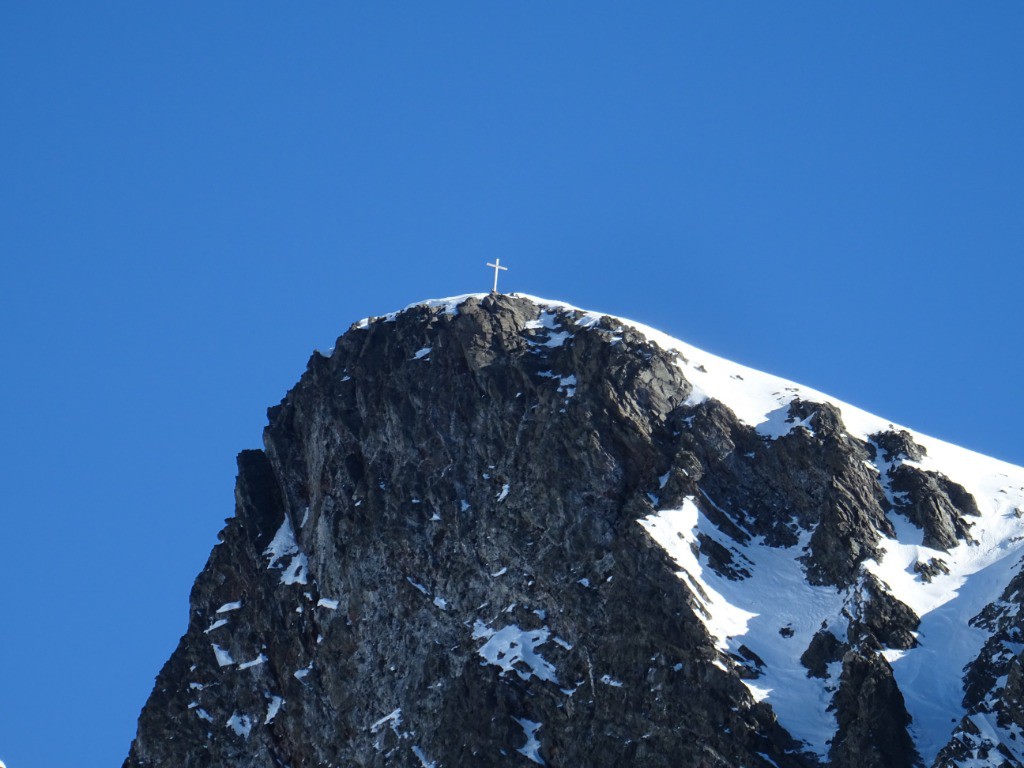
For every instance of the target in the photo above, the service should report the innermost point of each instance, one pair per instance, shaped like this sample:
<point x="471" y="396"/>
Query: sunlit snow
<point x="515" y="650"/>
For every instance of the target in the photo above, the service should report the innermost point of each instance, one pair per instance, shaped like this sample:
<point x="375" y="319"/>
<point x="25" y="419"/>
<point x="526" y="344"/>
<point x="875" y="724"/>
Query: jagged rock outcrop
<point x="456" y="548"/>
<point x="930" y="500"/>
<point x="871" y="715"/>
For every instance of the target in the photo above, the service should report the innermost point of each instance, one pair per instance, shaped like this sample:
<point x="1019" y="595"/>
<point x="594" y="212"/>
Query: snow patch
<point x="394" y="718"/>
<point x="240" y="724"/>
<point x="223" y="656"/>
<point x="418" y="586"/>
<point x="515" y="650"/>
<point x="778" y="423"/>
<point x="531" y="749"/>
<point x="423" y="758"/>
<point x="282" y="546"/>
<point x="272" y="709"/>
<point x="261" y="659"/>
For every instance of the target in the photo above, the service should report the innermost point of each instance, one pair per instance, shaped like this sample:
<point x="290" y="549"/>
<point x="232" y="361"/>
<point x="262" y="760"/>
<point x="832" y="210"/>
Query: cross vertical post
<point x="497" y="266"/>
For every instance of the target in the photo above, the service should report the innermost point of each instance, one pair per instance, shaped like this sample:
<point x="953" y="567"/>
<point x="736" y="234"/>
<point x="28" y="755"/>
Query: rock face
<point x="463" y="545"/>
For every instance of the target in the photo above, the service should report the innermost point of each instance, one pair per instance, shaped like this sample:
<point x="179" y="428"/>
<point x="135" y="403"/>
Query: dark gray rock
<point x="930" y="500"/>
<point x="872" y="717"/>
<point x="931" y="568"/>
<point x="935" y="504"/>
<point x="824" y="649"/>
<point x="879" y="620"/>
<point x="898" y="445"/>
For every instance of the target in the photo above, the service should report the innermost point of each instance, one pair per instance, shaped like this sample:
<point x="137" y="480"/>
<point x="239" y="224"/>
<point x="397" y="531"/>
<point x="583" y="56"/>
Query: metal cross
<point x="497" y="266"/>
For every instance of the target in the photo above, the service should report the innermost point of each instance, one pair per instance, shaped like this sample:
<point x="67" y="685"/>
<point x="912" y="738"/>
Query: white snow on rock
<point x="282" y="546"/>
<point x="420" y="354"/>
<point x="230" y="607"/>
<point x="566" y="384"/>
<point x="295" y="573"/>
<point x="216" y="625"/>
<point x="531" y="749"/>
<point x="751" y="612"/>
<point x="418" y="586"/>
<point x="223" y="656"/>
<point x="240" y="724"/>
<point x="515" y="650"/>
<point x="331" y="605"/>
<point x="393" y="718"/>
<point x="548" y="324"/>
<point x="423" y="758"/>
<point x="272" y="709"/>
<point x="261" y="659"/>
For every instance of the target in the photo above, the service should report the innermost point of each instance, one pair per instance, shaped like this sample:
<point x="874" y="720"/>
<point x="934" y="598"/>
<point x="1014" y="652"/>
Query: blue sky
<point x="195" y="197"/>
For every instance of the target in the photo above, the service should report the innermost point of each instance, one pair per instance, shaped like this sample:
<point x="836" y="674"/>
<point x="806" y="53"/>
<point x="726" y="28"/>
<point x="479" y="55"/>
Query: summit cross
<point x="497" y="266"/>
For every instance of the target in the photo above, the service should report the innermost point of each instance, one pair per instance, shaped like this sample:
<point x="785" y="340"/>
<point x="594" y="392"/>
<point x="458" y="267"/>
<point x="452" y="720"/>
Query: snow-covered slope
<point x="930" y="675"/>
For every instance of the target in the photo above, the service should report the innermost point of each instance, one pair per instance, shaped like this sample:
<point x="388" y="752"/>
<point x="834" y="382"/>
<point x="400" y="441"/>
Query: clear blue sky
<point x="195" y="196"/>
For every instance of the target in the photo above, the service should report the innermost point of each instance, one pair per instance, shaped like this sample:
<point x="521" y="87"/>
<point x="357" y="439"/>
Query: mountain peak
<point x="496" y="529"/>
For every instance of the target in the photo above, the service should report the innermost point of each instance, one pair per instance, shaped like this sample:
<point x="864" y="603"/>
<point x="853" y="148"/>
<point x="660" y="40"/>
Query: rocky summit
<point x="500" y="531"/>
